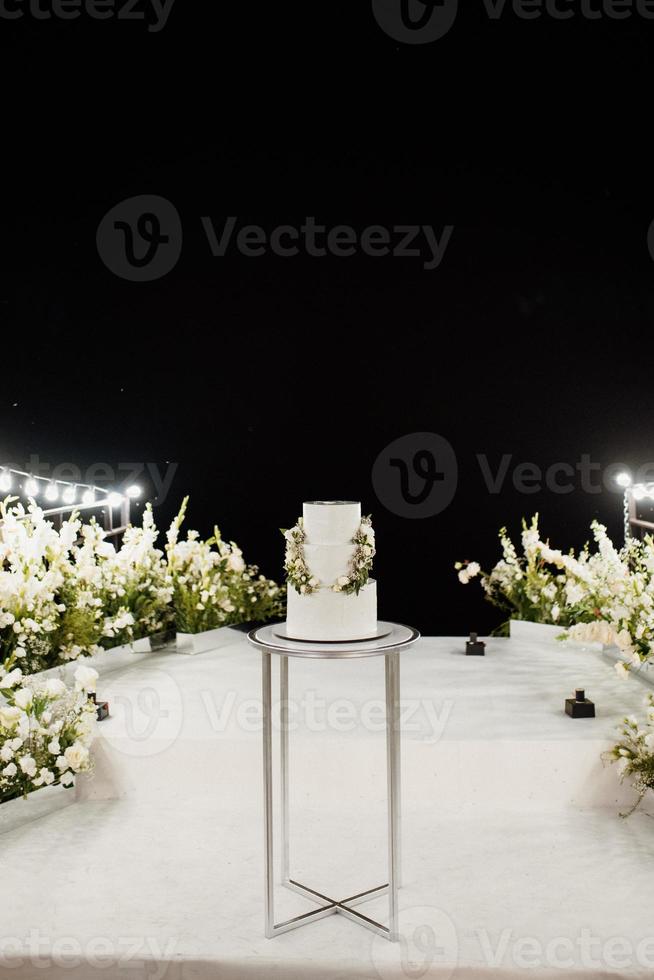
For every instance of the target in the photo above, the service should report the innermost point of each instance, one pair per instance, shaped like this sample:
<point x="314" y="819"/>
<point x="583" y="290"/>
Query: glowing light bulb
<point x="88" y="497"/>
<point x="5" y="480"/>
<point x="31" y="487"/>
<point x="623" y="479"/>
<point x="134" y="491"/>
<point x="52" y="492"/>
<point x="115" y="499"/>
<point x="69" y="495"/>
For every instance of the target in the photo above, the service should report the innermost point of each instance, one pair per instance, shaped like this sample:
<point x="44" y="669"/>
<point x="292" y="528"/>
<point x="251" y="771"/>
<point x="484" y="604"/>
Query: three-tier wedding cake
<point x="329" y="554"/>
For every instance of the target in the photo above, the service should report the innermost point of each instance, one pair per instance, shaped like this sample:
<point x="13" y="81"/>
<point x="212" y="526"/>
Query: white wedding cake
<point x="329" y="554"/>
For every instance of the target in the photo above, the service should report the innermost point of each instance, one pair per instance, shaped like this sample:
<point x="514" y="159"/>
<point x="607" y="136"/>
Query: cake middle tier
<point x="328" y="562"/>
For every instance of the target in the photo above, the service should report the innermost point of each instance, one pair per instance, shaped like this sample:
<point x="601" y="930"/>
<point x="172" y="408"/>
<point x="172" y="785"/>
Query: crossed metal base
<point x="344" y="907"/>
<point x="328" y="905"/>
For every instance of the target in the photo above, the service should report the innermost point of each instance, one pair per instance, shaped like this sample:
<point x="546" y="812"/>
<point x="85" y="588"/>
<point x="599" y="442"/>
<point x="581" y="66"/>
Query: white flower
<point x="23" y="697"/>
<point x="10" y="770"/>
<point x="76" y="756"/>
<point x="6" y="752"/>
<point x="621" y="671"/>
<point x="469" y="571"/>
<point x="53" y="746"/>
<point x="343" y="580"/>
<point x="45" y="777"/>
<point x="623" y="640"/>
<point x="235" y="562"/>
<point x="67" y="779"/>
<point x="28" y="765"/>
<point x="54" y="687"/>
<point x="85" y="678"/>
<point x="13" y="677"/>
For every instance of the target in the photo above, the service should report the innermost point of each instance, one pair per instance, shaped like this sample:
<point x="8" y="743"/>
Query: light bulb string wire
<point x="52" y="481"/>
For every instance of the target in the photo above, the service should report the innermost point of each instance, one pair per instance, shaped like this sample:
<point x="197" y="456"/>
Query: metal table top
<point x="396" y="637"/>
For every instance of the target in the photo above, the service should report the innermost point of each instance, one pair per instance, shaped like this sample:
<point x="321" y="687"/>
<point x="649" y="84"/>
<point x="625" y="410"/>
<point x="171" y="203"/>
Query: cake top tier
<point x="331" y="521"/>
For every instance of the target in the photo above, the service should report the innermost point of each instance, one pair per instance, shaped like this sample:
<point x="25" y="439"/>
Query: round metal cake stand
<point x="389" y="646"/>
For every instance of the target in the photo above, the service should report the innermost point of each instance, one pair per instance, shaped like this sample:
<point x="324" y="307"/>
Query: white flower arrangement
<point x="605" y="596"/>
<point x="634" y="753"/>
<point x="45" y="731"/>
<point x="212" y="585"/>
<point x="70" y="593"/>
<point x="130" y="589"/>
<point x="299" y="575"/>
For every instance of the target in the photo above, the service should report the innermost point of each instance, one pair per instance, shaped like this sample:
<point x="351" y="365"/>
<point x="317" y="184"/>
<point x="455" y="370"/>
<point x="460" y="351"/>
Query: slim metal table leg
<point x="392" y="757"/>
<point x="398" y="767"/>
<point x="283" y="718"/>
<point x="266" y="679"/>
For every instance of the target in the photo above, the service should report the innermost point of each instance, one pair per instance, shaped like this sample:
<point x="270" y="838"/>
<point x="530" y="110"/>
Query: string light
<point x="623" y="479"/>
<point x="69" y="493"/>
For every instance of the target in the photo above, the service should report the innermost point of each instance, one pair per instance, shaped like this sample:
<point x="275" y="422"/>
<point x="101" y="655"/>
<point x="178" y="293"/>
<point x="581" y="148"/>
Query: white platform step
<point x="507" y="868"/>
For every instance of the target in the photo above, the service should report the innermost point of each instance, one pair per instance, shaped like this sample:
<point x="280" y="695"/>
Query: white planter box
<point x="194" y="643"/>
<point x="40" y="803"/>
<point x="520" y="629"/>
<point x="123" y="656"/>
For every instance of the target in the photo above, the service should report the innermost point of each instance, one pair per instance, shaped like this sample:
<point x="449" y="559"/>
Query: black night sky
<point x="273" y="379"/>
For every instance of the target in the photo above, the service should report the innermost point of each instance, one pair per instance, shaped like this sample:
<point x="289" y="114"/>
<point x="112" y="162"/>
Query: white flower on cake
<point x="299" y="575"/>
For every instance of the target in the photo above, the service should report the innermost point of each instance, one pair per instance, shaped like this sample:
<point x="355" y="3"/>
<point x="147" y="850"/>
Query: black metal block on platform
<point x="475" y="647"/>
<point x="101" y="707"/>
<point x="579" y="706"/>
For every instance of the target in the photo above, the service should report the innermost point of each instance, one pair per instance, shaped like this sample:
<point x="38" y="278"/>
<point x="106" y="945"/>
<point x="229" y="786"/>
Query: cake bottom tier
<point x="327" y="615"/>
